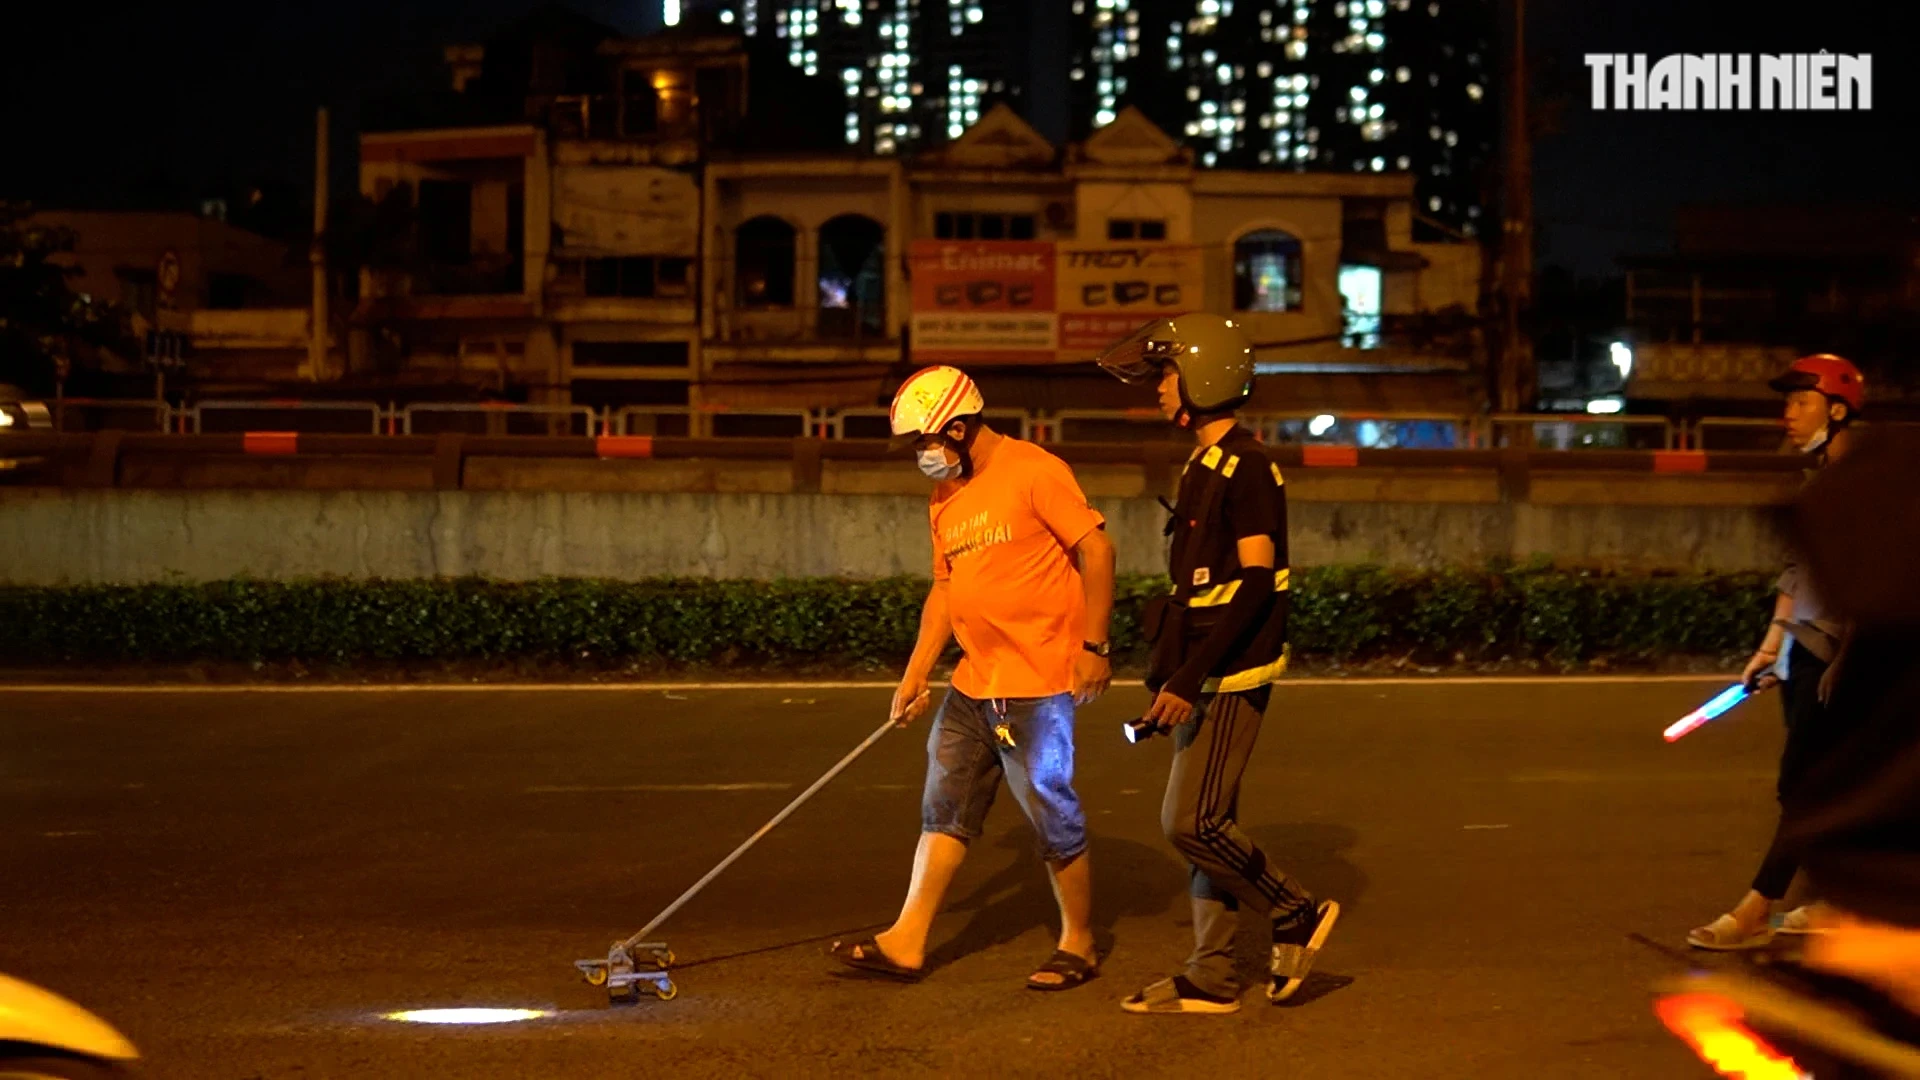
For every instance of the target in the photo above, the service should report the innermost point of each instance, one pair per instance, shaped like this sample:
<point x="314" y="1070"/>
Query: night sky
<point x="161" y="104"/>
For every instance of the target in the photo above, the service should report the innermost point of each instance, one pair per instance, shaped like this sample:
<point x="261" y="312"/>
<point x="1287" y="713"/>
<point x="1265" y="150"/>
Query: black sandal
<point x="1073" y="971"/>
<point x="869" y="957"/>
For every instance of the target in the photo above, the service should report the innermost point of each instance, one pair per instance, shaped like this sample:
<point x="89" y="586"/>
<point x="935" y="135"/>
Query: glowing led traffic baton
<point x="1724" y="700"/>
<point x="1712" y="1026"/>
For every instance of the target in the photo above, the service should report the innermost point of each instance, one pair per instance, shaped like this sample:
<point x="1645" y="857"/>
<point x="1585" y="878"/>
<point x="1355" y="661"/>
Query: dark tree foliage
<point x="45" y="327"/>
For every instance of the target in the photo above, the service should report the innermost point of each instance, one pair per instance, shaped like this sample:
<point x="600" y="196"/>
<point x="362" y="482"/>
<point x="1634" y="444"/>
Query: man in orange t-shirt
<point x="1023" y="578"/>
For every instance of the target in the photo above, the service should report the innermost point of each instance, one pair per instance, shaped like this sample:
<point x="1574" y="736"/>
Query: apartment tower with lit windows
<point x="1322" y="85"/>
<point x="914" y="73"/>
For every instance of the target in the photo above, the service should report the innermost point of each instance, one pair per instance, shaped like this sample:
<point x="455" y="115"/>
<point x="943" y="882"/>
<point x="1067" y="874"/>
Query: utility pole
<point x="317" y="365"/>
<point x="1516" y="376"/>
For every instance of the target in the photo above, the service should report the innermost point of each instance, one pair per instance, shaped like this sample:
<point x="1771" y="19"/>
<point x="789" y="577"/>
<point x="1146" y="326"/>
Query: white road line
<point x="588" y="789"/>
<point x="658" y="687"/>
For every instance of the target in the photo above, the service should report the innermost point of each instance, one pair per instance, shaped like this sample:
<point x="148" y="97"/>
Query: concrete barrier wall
<point x="68" y="536"/>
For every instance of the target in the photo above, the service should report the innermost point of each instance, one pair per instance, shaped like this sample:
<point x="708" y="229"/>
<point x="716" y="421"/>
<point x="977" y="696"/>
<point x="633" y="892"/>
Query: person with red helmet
<point x="1801" y="652"/>
<point x="1825" y="394"/>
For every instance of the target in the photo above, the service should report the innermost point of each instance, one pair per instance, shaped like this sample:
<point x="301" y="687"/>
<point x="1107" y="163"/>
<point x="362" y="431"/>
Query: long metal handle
<point x="648" y="929"/>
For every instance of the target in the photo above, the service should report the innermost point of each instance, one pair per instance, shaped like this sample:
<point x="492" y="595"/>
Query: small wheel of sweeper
<point x="666" y="991"/>
<point x="597" y="976"/>
<point x="663" y="957"/>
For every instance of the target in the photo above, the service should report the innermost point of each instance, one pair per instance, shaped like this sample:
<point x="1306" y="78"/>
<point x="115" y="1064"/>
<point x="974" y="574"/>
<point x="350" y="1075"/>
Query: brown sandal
<point x="869" y="957"/>
<point x="1073" y="971"/>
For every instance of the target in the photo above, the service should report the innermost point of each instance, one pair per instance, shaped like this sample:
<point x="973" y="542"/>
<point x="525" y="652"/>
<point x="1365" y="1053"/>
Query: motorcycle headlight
<point x="24" y="416"/>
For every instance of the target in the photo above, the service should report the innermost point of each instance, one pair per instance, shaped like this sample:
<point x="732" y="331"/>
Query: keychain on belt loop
<point x="1002" y="730"/>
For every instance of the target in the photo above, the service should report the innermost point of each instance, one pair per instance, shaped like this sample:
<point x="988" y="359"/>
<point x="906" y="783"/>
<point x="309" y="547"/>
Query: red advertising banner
<point x="983" y="301"/>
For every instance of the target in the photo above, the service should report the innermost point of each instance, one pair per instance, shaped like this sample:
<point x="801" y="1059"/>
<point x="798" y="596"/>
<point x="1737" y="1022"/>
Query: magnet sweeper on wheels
<point x="635" y="964"/>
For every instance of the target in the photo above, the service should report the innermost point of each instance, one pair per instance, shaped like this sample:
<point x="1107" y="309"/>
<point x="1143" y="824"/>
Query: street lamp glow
<point x="670" y="12"/>
<point x="467" y="1016"/>
<point x="1622" y="356"/>
<point x="1605" y="406"/>
<point x="1321" y="424"/>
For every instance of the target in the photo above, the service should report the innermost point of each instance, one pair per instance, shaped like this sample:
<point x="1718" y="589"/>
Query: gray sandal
<point x="1293" y="963"/>
<point x="1177" y="995"/>
<point x="1723" y="935"/>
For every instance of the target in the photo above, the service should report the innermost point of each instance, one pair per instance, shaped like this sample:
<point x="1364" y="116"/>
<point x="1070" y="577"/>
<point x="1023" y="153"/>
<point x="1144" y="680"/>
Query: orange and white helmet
<point x="930" y="399"/>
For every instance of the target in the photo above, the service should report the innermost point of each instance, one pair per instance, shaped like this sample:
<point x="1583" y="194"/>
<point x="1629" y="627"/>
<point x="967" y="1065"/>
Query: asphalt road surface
<point x="246" y="882"/>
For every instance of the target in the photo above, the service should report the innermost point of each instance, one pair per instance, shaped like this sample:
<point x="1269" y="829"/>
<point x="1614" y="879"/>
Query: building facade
<point x="1322" y="85"/>
<point x="556" y="259"/>
<point x="180" y="261"/>
<point x="640" y="260"/>
<point x="202" y="295"/>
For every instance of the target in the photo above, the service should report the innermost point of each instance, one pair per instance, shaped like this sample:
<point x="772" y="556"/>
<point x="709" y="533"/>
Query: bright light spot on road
<point x="1605" y="406"/>
<point x="1321" y="424"/>
<point x="467" y="1016"/>
<point x="1622" y="355"/>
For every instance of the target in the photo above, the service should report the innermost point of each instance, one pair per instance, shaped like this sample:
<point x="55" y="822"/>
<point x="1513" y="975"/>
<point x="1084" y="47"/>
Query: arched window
<point x="1266" y="271"/>
<point x="853" y="278"/>
<point x="763" y="263"/>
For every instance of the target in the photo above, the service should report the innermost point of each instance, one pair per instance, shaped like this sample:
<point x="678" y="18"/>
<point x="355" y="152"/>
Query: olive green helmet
<point x="1212" y="353"/>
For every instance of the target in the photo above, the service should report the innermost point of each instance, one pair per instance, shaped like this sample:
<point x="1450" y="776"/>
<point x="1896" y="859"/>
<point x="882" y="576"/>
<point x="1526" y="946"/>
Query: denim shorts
<point x="966" y="759"/>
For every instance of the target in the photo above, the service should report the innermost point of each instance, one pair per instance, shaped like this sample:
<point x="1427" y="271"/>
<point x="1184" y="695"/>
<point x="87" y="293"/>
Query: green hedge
<point x="1343" y="612"/>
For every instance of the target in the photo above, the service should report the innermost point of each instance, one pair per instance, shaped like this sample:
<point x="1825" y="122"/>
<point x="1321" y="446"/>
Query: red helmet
<point x="1833" y="376"/>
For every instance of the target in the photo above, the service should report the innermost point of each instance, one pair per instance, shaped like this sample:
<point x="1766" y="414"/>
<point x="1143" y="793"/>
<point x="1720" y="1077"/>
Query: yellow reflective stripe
<point x="1216" y="596"/>
<point x="1232" y="464"/>
<point x="1223" y="594"/>
<point x="1277" y="478"/>
<point x="1211" y="459"/>
<point x="1250" y="679"/>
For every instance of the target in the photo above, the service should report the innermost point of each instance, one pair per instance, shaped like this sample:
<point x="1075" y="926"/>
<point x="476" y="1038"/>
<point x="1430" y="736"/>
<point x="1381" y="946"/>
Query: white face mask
<point x="933" y="462"/>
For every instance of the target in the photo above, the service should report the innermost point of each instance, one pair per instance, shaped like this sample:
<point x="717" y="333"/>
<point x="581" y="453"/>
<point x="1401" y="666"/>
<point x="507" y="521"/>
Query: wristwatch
<point x="1102" y="649"/>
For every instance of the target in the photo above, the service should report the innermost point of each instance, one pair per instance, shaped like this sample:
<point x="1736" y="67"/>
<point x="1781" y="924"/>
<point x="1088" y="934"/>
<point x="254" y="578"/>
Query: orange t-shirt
<point x="1003" y="542"/>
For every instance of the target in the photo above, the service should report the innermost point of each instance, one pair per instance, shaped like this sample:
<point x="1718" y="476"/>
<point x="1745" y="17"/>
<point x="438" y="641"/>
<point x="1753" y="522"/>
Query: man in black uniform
<point x="1219" y="641"/>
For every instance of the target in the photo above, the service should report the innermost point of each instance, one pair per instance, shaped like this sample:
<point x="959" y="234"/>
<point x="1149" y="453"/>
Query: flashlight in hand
<point x="1139" y="731"/>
